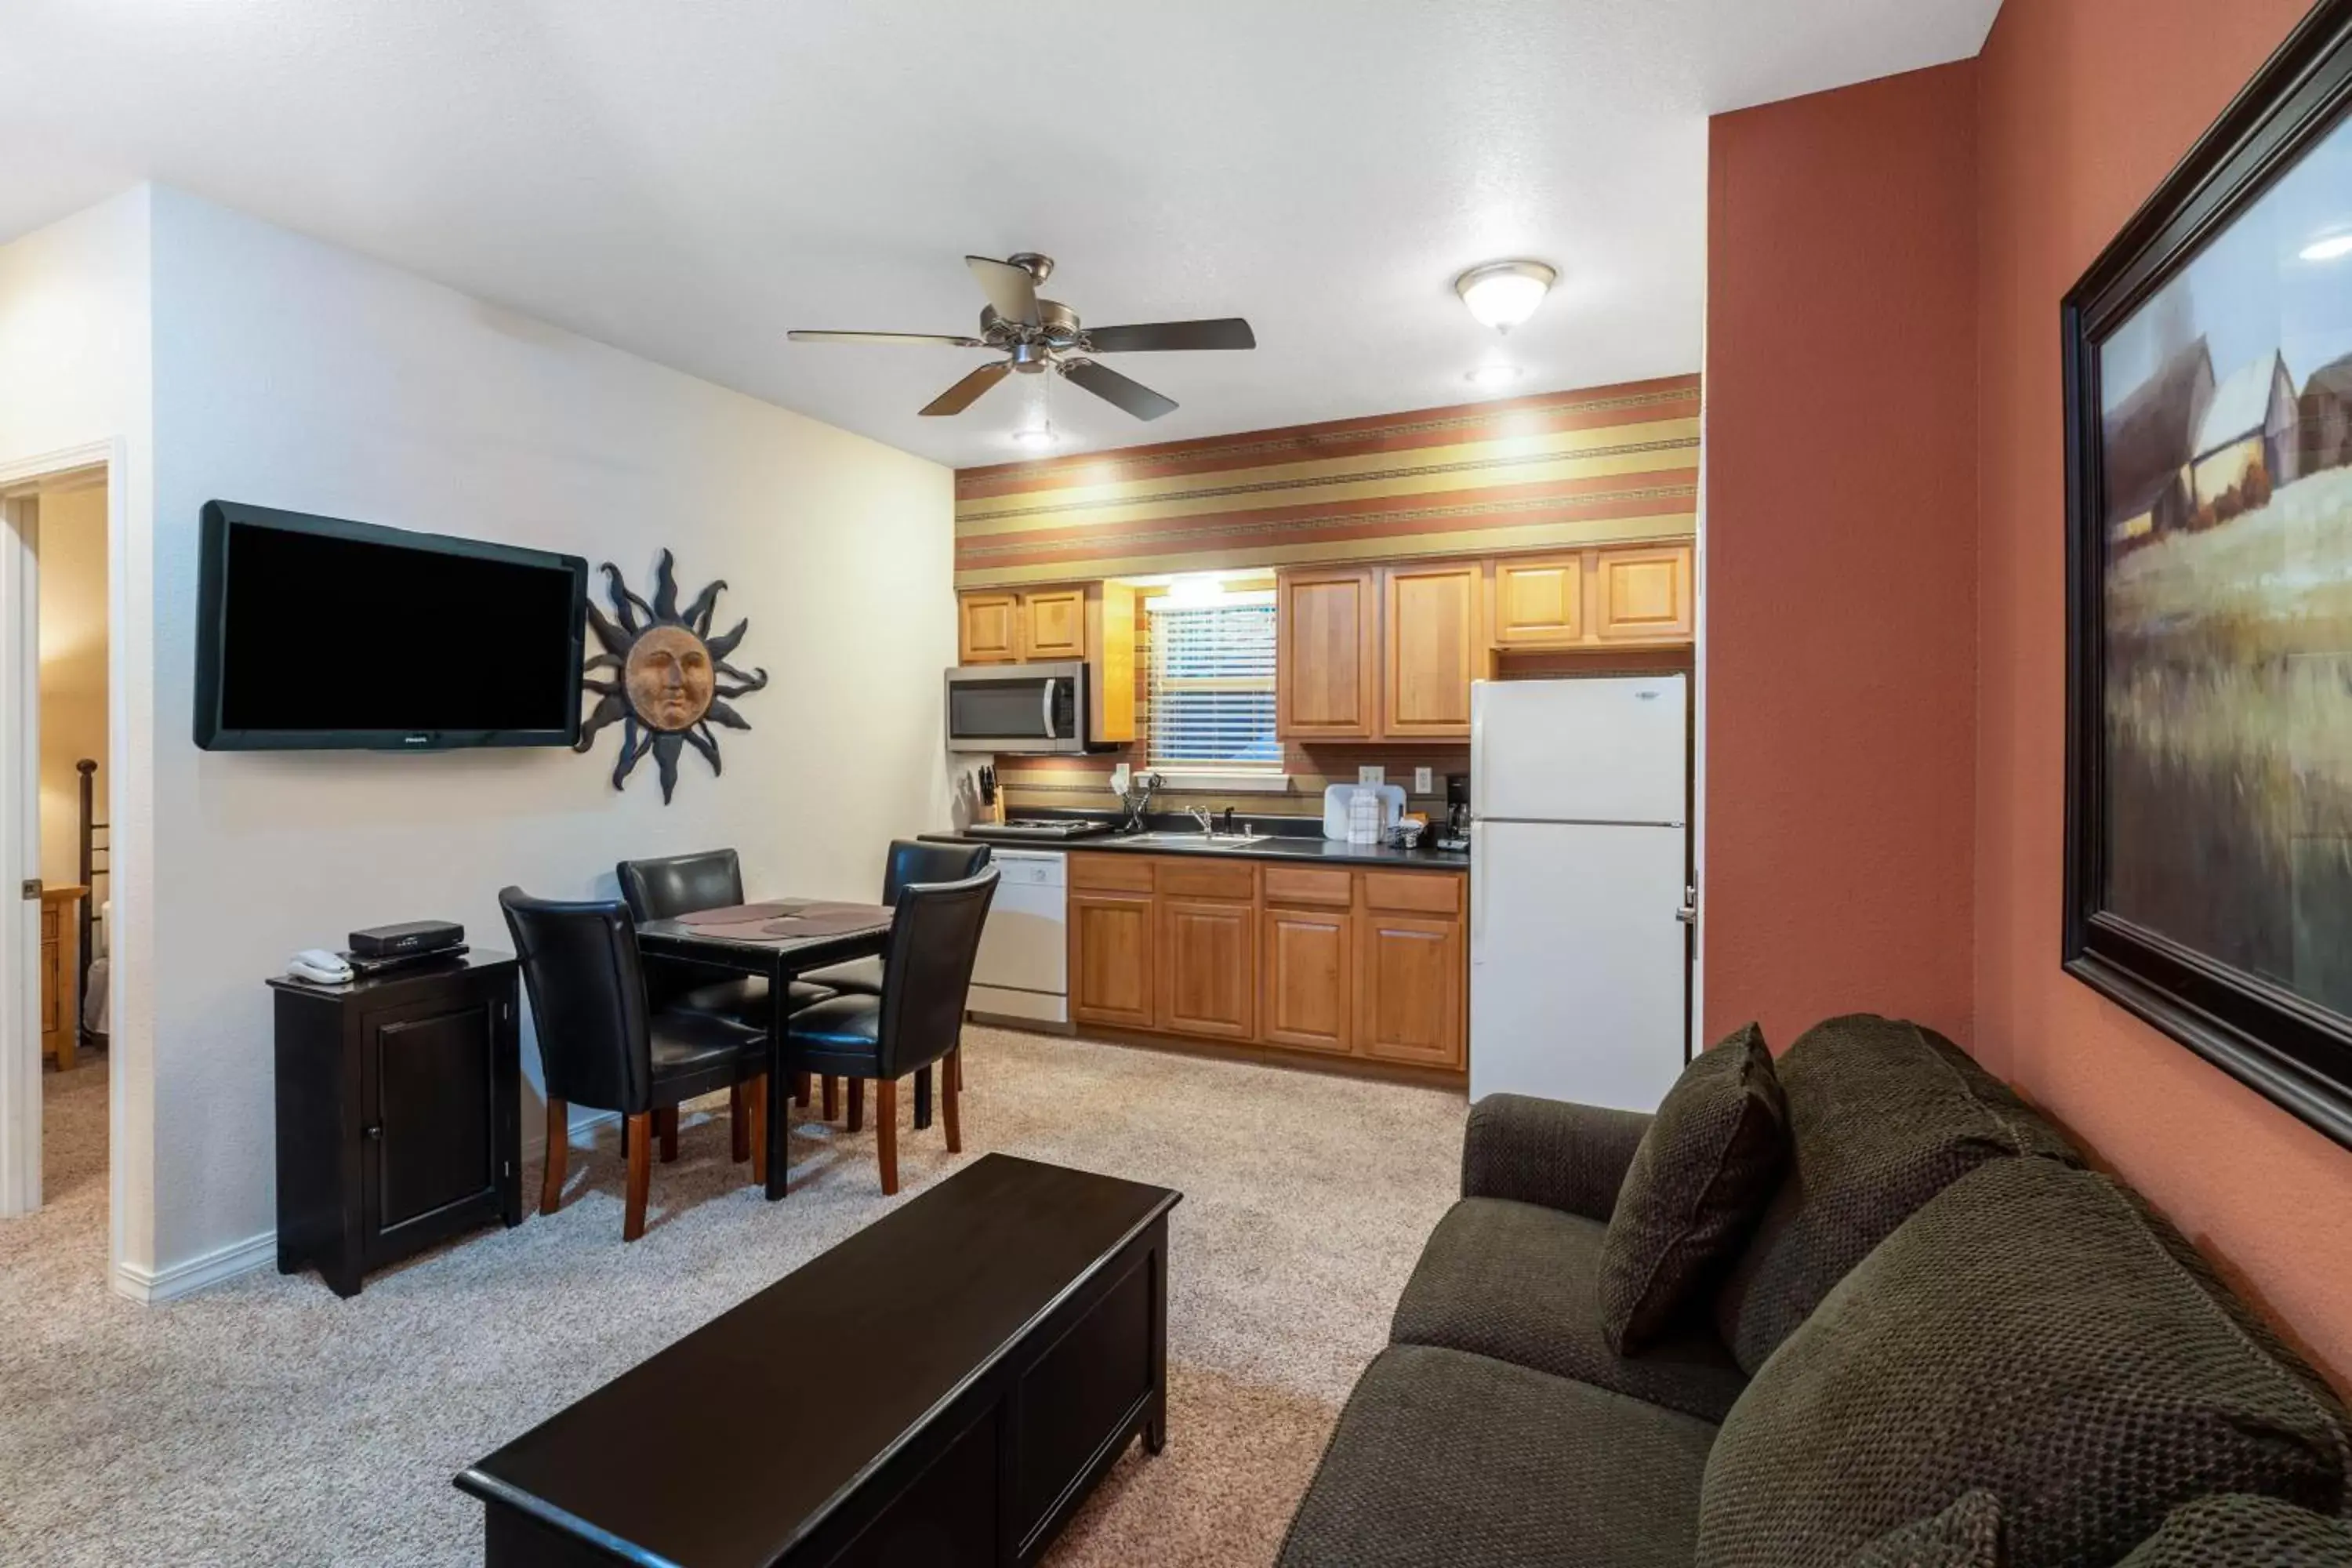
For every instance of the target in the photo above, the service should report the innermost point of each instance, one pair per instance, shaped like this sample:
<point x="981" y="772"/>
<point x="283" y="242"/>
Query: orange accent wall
<point x="2084" y="105"/>
<point x="1885" y="586"/>
<point x="1841" y="557"/>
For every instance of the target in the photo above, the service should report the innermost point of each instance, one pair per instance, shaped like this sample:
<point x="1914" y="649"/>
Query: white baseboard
<point x="210" y="1269"/>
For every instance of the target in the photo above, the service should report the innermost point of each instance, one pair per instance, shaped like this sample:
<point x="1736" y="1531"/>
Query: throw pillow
<point x="1699" y="1177"/>
<point x="1965" y="1535"/>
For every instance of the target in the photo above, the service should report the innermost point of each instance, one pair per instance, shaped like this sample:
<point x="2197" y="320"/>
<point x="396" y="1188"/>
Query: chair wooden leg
<point x="831" y="1097"/>
<point x="640" y="1133"/>
<point x="559" y="1144"/>
<point x="755" y="1096"/>
<point x="856" y="1104"/>
<point x="885" y="1132"/>
<point x="739" y="1132"/>
<point x="666" y="1129"/>
<point x="800" y="1090"/>
<point x="922" y="1097"/>
<point x="951" y="1087"/>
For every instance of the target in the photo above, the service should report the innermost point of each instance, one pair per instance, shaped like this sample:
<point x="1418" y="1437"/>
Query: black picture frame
<point x="2292" y="1051"/>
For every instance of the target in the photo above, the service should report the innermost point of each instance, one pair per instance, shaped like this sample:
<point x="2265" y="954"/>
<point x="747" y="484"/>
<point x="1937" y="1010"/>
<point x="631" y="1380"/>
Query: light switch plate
<point x="1423" y="783"/>
<point x="1372" y="776"/>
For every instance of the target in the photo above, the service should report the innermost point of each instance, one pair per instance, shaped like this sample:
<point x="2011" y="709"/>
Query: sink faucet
<point x="1201" y="815"/>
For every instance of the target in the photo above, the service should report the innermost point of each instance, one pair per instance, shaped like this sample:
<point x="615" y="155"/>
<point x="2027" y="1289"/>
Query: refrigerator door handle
<point x="1688" y="914"/>
<point x="1477" y="916"/>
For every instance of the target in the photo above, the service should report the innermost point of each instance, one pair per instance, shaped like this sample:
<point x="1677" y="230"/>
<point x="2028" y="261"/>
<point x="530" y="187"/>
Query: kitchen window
<point x="1212" y="687"/>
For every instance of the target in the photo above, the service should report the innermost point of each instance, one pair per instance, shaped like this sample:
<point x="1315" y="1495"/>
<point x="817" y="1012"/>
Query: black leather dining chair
<point x="604" y="1046"/>
<point x="911" y="860"/>
<point x="918" y="1020"/>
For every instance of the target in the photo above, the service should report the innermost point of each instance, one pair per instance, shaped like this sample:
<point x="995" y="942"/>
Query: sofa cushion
<point x="1883" y="1115"/>
<point x="1443" y="1459"/>
<point x="2239" y="1530"/>
<point x="1707" y="1165"/>
<point x="1965" y="1535"/>
<point x="1515" y="1281"/>
<point x="2026" y="1333"/>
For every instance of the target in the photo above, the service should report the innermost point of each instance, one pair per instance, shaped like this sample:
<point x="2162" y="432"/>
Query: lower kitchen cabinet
<point x="1310" y="971"/>
<point x="1207" y="968"/>
<point x="1343" y="961"/>
<point x="1111" y="965"/>
<point x="1409" y="990"/>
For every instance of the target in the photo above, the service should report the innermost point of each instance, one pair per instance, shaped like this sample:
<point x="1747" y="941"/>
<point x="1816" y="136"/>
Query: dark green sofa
<point x="1940" y="1310"/>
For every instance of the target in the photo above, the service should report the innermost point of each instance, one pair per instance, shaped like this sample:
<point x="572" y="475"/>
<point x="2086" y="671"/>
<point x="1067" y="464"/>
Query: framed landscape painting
<point x="2208" y="401"/>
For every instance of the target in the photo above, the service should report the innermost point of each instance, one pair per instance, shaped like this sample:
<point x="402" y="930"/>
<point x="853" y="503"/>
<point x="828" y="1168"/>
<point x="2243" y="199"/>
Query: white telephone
<point x="320" y="966"/>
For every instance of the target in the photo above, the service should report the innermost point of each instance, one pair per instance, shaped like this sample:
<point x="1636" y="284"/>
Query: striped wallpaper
<point x="1599" y="466"/>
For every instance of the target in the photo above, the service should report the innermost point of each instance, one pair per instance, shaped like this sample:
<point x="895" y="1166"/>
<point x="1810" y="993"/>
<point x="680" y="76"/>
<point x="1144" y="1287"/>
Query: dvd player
<point x="406" y="941"/>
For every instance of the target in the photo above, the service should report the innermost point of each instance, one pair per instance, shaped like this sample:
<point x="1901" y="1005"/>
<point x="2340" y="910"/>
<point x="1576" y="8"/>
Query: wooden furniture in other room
<point x="60" y="973"/>
<point x="399" y="1106"/>
<point x="944" y="1388"/>
<point x="1338" y="961"/>
<point x="1093" y="623"/>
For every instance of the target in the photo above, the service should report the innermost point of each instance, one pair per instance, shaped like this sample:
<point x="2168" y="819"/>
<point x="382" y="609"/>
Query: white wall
<point x="290" y="374"/>
<point x="75" y="363"/>
<point x="73" y="670"/>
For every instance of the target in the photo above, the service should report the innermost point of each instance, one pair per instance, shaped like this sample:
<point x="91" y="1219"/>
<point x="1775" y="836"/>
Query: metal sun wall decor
<point x="671" y="682"/>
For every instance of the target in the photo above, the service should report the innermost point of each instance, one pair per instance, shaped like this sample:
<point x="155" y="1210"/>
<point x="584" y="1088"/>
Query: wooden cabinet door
<point x="1308" y="977"/>
<point x="429" y="1107"/>
<point x="1433" y="646"/>
<point x="1539" y="602"/>
<point x="1111" y="959"/>
<point x="1409" y="990"/>
<point x="1053" y="623"/>
<point x="1208" y="968"/>
<point x="1646" y="594"/>
<point x="1327" y="655"/>
<point x="988" y="628"/>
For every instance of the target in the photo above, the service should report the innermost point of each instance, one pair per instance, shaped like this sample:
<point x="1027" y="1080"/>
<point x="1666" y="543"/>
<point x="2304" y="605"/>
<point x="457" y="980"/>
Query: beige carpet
<point x="264" y="1421"/>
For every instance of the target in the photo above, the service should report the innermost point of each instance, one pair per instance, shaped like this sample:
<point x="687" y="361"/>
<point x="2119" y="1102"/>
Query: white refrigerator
<point x="1579" y="804"/>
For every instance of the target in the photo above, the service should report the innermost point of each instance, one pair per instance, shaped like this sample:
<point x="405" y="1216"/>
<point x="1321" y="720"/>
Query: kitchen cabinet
<point x="1090" y="623"/>
<point x="1645" y="595"/>
<point x="1338" y="961"/>
<point x="1326" y="654"/>
<point x="1433" y="647"/>
<point x="1539" y="601"/>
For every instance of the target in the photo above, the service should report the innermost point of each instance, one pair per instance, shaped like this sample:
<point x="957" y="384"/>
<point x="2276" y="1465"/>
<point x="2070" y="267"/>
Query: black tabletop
<point x="678" y="939"/>
<point x="736" y="1441"/>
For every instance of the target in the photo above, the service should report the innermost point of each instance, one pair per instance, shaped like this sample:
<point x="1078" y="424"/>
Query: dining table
<point x="778" y="939"/>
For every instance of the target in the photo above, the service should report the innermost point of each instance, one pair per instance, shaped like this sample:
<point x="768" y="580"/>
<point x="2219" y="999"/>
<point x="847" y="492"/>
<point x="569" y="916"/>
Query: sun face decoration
<point x="672" y="679"/>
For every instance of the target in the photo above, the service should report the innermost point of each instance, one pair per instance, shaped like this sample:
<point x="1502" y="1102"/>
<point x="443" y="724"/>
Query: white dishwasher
<point x="1023" y="970"/>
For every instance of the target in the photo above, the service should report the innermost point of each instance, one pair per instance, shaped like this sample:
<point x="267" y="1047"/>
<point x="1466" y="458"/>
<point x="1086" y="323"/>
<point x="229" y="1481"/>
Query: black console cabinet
<point x="399" y="1114"/>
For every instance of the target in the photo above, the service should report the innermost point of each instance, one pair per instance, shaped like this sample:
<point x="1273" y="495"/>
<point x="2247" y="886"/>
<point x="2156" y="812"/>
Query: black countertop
<point x="1280" y="846"/>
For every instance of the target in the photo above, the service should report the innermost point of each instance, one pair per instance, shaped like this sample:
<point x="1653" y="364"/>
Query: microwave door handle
<point x="1045" y="691"/>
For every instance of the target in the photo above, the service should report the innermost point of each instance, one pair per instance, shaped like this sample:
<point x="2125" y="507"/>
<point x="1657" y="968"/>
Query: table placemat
<point x="829" y="919"/>
<point x="746" y="914"/>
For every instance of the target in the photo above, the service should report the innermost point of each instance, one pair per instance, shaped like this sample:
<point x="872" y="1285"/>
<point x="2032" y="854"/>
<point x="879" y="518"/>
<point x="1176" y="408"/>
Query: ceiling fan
<point x="1039" y="335"/>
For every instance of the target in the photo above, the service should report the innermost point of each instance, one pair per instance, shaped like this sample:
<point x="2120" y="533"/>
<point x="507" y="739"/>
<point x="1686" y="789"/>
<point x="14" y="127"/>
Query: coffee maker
<point x="1456" y="832"/>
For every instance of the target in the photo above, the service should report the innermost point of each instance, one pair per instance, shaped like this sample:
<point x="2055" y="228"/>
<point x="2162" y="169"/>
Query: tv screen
<point x="315" y="633"/>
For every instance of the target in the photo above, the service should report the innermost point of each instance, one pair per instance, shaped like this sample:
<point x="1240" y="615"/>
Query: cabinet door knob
<point x="374" y="1130"/>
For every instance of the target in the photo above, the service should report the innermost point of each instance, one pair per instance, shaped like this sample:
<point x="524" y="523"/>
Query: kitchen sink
<point x="1198" y="840"/>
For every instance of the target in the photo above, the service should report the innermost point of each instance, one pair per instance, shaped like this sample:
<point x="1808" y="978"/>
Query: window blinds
<point x="1212" y="683"/>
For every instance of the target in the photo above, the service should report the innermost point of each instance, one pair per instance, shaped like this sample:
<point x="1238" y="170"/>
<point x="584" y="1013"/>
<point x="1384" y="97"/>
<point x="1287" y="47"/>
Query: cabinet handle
<point x="374" y="1130"/>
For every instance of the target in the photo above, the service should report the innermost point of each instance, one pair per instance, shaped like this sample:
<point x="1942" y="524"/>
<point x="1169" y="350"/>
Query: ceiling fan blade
<point x="966" y="393"/>
<point x="1010" y="289"/>
<point x="1125" y="392"/>
<point x="1227" y="333"/>
<point x="802" y="335"/>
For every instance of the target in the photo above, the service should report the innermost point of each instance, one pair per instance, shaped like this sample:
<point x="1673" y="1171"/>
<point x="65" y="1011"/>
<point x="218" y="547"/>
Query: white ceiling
<point x="688" y="179"/>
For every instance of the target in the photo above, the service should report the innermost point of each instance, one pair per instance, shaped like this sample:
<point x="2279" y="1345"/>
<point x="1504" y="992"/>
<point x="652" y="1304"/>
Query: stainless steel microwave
<point x="1018" y="707"/>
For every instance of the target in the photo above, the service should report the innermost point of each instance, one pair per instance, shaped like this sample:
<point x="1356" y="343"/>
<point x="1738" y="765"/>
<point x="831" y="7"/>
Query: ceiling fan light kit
<point x="1036" y="335"/>
<point x="1502" y="294"/>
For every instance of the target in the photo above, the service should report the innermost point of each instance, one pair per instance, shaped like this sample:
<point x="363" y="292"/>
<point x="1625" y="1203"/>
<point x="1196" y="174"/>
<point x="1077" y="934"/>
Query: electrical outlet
<point x="1422" y="781"/>
<point x="1371" y="776"/>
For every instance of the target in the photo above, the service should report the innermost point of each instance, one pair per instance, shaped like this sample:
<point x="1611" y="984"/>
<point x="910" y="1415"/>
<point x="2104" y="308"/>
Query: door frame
<point x="21" y="482"/>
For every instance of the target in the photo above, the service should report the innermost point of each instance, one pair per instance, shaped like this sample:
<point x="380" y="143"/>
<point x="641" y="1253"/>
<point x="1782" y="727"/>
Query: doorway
<point x="56" y="536"/>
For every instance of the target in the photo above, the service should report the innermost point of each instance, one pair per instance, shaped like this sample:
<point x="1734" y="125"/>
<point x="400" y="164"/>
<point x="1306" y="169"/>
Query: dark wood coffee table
<point x="943" y="1388"/>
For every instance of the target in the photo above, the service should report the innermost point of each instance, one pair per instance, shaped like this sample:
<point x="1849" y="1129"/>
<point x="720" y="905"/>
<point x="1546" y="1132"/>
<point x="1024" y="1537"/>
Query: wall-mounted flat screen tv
<point x="317" y="634"/>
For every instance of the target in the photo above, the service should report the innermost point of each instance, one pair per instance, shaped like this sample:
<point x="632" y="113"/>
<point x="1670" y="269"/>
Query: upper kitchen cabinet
<point x="1539" y="601"/>
<point x="1326" y="654"/>
<point x="1093" y="623"/>
<point x="1645" y="596"/>
<point x="1433" y="647"/>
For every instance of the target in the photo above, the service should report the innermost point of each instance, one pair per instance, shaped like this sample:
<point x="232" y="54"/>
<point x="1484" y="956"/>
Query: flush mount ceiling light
<point x="2335" y="248"/>
<point x="1502" y="294"/>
